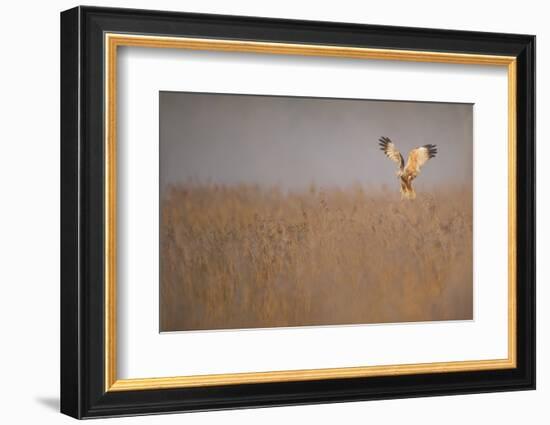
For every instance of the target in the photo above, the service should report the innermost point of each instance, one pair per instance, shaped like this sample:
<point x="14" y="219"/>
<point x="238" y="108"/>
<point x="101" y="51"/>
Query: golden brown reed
<point x="246" y="257"/>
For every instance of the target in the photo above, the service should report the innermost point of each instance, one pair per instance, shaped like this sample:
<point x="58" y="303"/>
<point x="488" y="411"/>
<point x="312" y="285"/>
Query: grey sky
<point x="293" y="141"/>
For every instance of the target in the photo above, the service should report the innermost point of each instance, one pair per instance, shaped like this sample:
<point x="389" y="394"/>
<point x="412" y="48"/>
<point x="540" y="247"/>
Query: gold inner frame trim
<point x="113" y="41"/>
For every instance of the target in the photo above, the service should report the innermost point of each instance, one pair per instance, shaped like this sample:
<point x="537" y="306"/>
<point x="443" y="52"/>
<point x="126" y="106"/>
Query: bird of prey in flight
<point x="407" y="172"/>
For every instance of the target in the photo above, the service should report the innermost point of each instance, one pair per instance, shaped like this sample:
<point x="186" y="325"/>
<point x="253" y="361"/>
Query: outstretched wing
<point x="418" y="157"/>
<point x="387" y="146"/>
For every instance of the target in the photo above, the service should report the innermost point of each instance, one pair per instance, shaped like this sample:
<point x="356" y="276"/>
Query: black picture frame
<point x="83" y="392"/>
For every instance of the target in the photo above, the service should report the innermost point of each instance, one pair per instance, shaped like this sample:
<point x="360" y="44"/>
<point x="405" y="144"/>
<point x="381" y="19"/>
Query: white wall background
<point x="29" y="224"/>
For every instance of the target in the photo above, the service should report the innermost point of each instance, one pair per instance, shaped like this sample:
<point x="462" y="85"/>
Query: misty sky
<point x="292" y="141"/>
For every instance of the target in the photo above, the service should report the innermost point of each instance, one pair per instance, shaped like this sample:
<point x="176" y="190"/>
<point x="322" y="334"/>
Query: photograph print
<point x="279" y="211"/>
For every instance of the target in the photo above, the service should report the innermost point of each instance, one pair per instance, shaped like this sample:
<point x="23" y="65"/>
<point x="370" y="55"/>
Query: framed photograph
<point x="260" y="212"/>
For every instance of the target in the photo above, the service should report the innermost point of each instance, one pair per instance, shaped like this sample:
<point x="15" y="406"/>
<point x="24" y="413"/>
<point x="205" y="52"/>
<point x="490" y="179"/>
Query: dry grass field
<point x="246" y="257"/>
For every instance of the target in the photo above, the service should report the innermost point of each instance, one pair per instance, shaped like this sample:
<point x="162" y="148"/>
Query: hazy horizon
<point x="293" y="142"/>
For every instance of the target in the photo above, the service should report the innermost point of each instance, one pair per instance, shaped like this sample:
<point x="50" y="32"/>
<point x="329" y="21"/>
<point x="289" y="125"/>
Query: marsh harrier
<point x="416" y="160"/>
